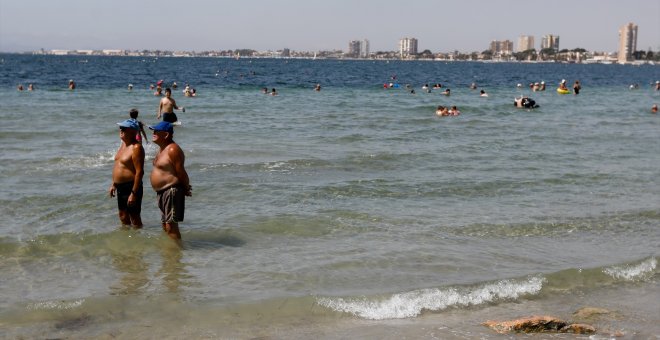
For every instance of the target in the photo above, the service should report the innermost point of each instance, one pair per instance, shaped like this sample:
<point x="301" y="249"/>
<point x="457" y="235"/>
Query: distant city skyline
<point x="469" y="25"/>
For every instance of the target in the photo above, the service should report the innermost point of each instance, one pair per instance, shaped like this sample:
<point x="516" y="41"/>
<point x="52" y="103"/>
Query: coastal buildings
<point x="550" y="41"/>
<point x="627" y="42"/>
<point x="501" y="47"/>
<point x="525" y="43"/>
<point x="407" y="47"/>
<point x="358" y="49"/>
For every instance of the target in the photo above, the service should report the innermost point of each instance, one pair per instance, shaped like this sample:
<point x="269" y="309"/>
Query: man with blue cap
<point x="127" y="174"/>
<point x="169" y="179"/>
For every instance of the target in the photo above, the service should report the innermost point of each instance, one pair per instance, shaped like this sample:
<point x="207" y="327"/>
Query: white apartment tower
<point x="550" y="41"/>
<point x="358" y="48"/>
<point x="627" y="42"/>
<point x="407" y="47"/>
<point x="525" y="42"/>
<point x="364" y="49"/>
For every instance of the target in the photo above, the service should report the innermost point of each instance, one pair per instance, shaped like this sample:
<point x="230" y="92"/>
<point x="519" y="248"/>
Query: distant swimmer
<point x="442" y="111"/>
<point x="127" y="174"/>
<point x="20" y="87"/>
<point x="167" y="106"/>
<point x="483" y="93"/>
<point x="562" y="85"/>
<point x="577" y="87"/>
<point x="130" y="87"/>
<point x="264" y="90"/>
<point x="174" y="85"/>
<point x="542" y="86"/>
<point x="159" y="91"/>
<point x="317" y="87"/>
<point x="454" y="111"/>
<point x="473" y="86"/>
<point x="186" y="91"/>
<point x="30" y="87"/>
<point x="72" y="85"/>
<point x="536" y="87"/>
<point x="657" y="85"/>
<point x="273" y="92"/>
<point x="524" y="102"/>
<point x="654" y="108"/>
<point x="426" y="88"/>
<point x="447" y="92"/>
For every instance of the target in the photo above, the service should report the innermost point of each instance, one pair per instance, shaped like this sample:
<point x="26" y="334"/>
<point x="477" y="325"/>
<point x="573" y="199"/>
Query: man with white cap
<point x="127" y="174"/>
<point x="169" y="179"/>
<point x="657" y="85"/>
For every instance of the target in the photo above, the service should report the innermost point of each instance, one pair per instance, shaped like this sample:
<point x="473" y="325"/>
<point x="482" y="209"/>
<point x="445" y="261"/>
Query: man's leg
<point x="172" y="230"/>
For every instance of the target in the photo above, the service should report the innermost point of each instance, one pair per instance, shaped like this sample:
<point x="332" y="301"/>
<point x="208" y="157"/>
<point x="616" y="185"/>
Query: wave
<point x="633" y="272"/>
<point x="413" y="303"/>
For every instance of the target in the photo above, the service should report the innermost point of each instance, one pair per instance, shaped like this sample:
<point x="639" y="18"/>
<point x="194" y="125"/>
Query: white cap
<point x="563" y="81"/>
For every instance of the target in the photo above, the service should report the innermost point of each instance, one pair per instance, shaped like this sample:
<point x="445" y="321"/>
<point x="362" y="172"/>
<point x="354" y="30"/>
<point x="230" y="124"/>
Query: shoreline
<point x="631" y="315"/>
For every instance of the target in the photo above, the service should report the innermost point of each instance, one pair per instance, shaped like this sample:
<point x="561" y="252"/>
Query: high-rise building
<point x="501" y="47"/>
<point x="354" y="48"/>
<point x="627" y="42"/>
<point x="358" y="48"/>
<point x="550" y="41"/>
<point x="525" y="42"/>
<point x="364" y="49"/>
<point x="407" y="47"/>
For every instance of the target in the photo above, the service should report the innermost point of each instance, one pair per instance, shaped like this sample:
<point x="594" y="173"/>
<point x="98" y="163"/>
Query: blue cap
<point x="131" y="124"/>
<point x="163" y="126"/>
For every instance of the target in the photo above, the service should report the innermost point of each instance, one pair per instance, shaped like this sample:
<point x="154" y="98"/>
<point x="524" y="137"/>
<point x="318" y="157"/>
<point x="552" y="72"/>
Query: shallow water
<point x="354" y="206"/>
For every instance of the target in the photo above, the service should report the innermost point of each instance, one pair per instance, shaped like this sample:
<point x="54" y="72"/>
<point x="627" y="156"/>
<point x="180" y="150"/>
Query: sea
<point x="353" y="212"/>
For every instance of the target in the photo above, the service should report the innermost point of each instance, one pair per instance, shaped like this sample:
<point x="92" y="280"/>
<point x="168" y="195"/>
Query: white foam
<point x="411" y="304"/>
<point x="55" y="305"/>
<point x="632" y="273"/>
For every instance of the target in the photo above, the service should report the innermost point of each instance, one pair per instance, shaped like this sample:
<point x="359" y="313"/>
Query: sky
<point x="314" y="25"/>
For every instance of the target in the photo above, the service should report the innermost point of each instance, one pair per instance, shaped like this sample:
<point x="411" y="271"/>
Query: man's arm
<point x="138" y="162"/>
<point x="160" y="109"/>
<point x="178" y="159"/>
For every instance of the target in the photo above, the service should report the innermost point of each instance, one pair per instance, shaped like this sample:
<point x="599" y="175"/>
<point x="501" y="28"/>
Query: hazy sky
<point x="440" y="26"/>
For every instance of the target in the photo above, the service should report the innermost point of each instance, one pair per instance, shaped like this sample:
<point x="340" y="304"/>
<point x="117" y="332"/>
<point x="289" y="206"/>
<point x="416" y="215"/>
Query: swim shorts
<point x="169" y="117"/>
<point x="123" y="191"/>
<point x="171" y="202"/>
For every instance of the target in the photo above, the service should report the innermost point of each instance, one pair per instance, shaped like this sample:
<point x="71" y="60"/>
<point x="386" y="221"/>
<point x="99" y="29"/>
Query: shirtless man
<point x="127" y="174"/>
<point x="169" y="179"/>
<point x="167" y="106"/>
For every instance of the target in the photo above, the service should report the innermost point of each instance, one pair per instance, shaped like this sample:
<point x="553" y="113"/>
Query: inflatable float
<point x="563" y="91"/>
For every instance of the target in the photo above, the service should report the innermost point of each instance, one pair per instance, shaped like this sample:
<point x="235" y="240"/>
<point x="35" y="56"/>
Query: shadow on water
<point x="211" y="240"/>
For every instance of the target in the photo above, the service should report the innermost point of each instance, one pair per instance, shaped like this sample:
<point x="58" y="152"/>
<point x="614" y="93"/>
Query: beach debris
<point x="539" y="324"/>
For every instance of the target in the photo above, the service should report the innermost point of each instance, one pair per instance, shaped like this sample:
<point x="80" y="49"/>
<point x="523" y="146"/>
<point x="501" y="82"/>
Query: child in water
<point x="134" y="114"/>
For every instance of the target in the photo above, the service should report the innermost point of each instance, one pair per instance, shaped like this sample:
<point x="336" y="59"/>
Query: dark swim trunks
<point x="172" y="201"/>
<point x="169" y="117"/>
<point x="123" y="191"/>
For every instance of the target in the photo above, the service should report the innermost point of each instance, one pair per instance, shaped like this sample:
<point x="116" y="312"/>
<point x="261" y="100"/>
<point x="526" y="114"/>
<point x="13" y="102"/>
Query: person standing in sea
<point x="169" y="179"/>
<point x="127" y="174"/>
<point x="577" y="87"/>
<point x="167" y="106"/>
